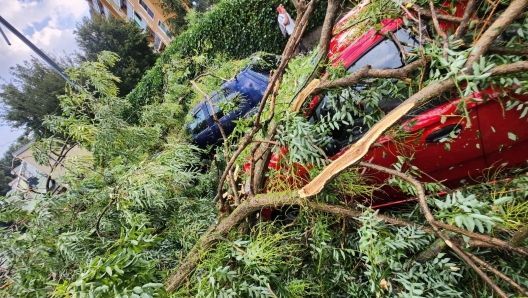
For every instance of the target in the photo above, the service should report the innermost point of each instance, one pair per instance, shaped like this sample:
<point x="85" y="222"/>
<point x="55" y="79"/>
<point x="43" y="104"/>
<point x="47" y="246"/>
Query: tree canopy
<point x="97" y="34"/>
<point x="31" y="95"/>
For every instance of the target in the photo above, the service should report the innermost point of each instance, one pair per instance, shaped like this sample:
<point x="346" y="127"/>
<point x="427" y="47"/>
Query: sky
<point x="49" y="24"/>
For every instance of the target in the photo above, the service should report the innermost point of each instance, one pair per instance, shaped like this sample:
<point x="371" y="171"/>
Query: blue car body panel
<point x="249" y="85"/>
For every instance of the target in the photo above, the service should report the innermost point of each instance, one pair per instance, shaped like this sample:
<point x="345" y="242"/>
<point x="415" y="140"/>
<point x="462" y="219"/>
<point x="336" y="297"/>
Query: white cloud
<point x="54" y="36"/>
<point x="51" y="23"/>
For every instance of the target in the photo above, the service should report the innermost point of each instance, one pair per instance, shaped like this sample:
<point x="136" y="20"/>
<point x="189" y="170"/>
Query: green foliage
<point x="97" y="34"/>
<point x="177" y="11"/>
<point x="96" y="123"/>
<point x="102" y="234"/>
<point x="467" y="212"/>
<point x="121" y="272"/>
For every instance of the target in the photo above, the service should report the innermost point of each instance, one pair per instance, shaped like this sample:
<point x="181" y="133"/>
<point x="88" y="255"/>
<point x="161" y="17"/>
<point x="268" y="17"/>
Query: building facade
<point x="145" y="13"/>
<point x="32" y="177"/>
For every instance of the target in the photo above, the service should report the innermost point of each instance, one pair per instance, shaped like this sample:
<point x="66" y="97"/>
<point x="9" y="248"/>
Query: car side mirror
<point x="332" y="147"/>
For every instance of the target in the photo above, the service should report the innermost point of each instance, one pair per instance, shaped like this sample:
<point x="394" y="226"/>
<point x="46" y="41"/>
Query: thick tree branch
<point x="326" y="33"/>
<point x="508" y="51"/>
<point x="516" y="8"/>
<point x="270" y="90"/>
<point x="439" y="30"/>
<point x="361" y="147"/>
<point x="276" y="200"/>
<point x="464" y="25"/>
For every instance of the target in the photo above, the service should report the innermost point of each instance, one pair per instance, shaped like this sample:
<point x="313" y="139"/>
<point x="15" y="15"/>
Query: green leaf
<point x="109" y="270"/>
<point x="512" y="136"/>
<point x="502" y="200"/>
<point x="524" y="112"/>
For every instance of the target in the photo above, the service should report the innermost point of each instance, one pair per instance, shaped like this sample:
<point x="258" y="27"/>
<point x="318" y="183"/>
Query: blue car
<point x="243" y="94"/>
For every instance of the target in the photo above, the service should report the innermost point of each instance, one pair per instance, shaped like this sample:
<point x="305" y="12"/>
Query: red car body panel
<point x="504" y="133"/>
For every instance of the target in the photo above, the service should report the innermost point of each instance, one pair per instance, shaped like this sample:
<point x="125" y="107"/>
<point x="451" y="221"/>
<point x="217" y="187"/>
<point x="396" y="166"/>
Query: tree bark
<point x="519" y="237"/>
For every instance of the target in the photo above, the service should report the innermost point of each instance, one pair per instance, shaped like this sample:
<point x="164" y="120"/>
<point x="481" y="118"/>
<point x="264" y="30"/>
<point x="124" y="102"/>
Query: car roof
<point x="361" y="45"/>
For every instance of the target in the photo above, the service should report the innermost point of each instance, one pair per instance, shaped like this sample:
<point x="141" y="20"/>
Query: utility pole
<point x="41" y="54"/>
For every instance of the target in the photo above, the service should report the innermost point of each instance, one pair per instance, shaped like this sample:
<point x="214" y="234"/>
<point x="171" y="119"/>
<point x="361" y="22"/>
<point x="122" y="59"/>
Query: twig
<point x="112" y="200"/>
<point x="316" y="147"/>
<point x="211" y="75"/>
<point x="432" y="222"/>
<point x="271" y="291"/>
<point x="266" y="141"/>
<point x="398" y="43"/>
<point x="499" y="274"/>
<point x="488" y="19"/>
<point x="439" y="30"/>
<point x="485" y="239"/>
<point x="231" y="181"/>
<point x="422" y="54"/>
<point x="240" y="250"/>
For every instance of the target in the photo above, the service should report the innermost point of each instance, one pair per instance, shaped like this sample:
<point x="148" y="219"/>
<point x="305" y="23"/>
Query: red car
<point x="440" y="139"/>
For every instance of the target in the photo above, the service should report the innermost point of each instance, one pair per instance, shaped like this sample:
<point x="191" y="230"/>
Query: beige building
<point x="32" y="178"/>
<point x="145" y="13"/>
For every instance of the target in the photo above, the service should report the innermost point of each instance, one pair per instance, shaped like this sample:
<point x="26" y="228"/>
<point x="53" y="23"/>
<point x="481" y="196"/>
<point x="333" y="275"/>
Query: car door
<point x="504" y="129"/>
<point x="440" y="141"/>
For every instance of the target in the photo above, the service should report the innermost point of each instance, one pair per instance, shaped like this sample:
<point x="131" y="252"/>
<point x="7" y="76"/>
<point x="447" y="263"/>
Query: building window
<point x="147" y="9"/>
<point x="130" y="11"/>
<point x="97" y="6"/>
<point x="157" y="41"/>
<point x="165" y="30"/>
<point x="119" y="3"/>
<point x="107" y="12"/>
<point x="139" y="21"/>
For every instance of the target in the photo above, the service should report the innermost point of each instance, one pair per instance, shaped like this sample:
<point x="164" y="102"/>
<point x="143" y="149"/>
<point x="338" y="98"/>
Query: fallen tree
<point x="304" y="197"/>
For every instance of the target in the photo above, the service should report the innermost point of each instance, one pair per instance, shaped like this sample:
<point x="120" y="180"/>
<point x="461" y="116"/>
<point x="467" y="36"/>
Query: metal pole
<point x="5" y="37"/>
<point x="41" y="54"/>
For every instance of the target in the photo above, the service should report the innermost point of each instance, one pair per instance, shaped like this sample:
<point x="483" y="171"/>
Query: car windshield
<point x="199" y="122"/>
<point x="386" y="54"/>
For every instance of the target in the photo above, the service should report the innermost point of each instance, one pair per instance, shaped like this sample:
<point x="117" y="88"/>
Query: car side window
<point x="386" y="55"/>
<point x="199" y="122"/>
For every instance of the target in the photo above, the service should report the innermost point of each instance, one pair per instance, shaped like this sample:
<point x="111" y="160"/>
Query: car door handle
<point x="443" y="133"/>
